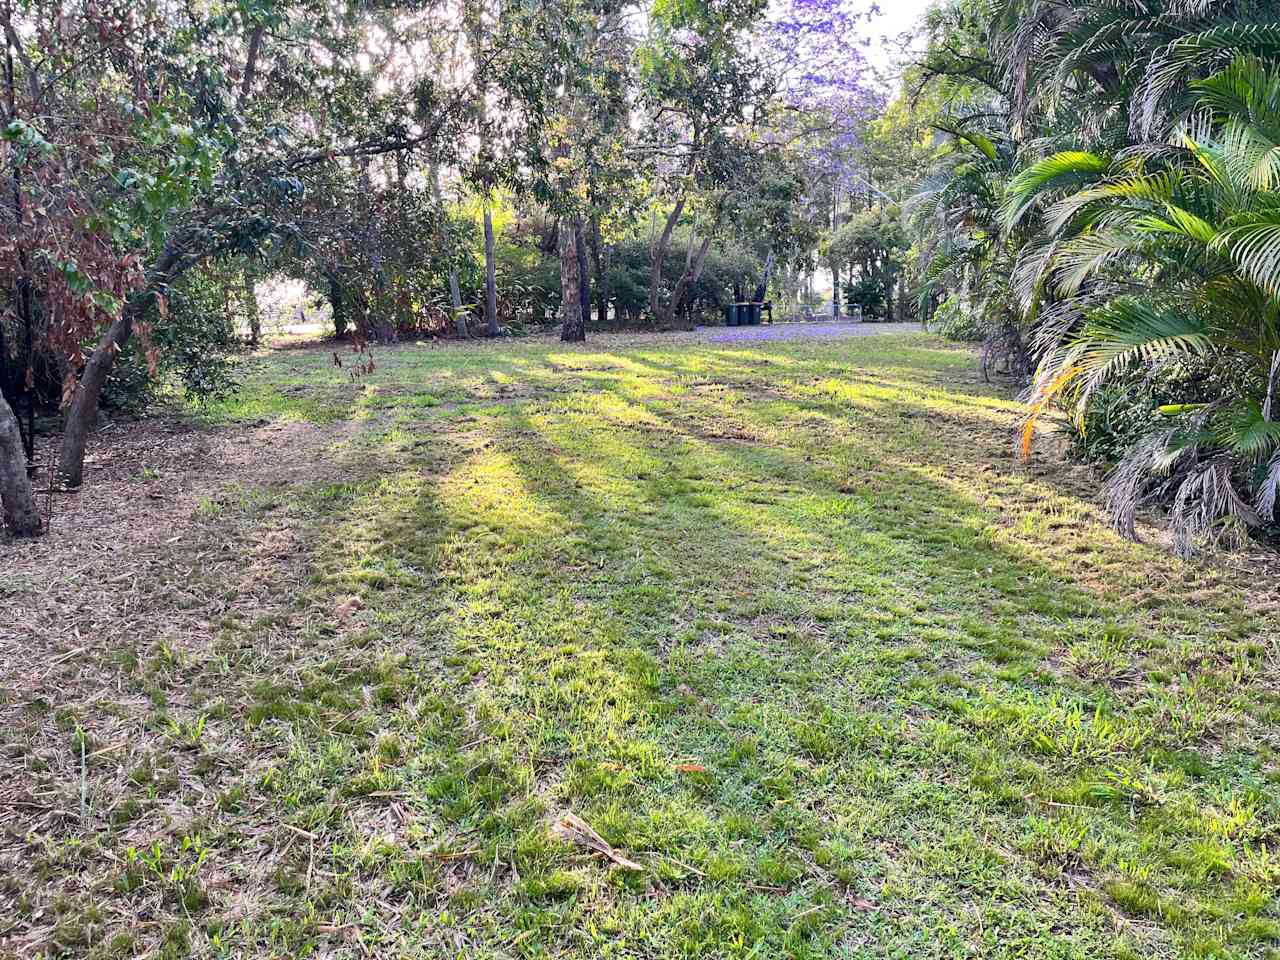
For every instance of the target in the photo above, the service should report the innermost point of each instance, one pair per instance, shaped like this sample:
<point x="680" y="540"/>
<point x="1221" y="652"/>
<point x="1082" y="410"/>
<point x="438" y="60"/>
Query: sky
<point x="895" y="17"/>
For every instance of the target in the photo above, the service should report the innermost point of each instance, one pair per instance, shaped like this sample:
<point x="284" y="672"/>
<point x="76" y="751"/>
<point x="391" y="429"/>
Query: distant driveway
<point x="819" y="330"/>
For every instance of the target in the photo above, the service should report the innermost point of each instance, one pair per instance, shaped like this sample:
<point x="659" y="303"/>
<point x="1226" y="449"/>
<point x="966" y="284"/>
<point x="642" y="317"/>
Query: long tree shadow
<point x="783" y="645"/>
<point x="986" y="619"/>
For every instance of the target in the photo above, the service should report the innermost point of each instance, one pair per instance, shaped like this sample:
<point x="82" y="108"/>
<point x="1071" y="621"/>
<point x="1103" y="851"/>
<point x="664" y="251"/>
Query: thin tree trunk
<point x="455" y="299"/>
<point x="835" y="289"/>
<point x="692" y="272"/>
<point x="490" y="277"/>
<point x="835" y="266"/>
<point x="251" y="308"/>
<point x="19" y="503"/>
<point x="455" y="293"/>
<point x="84" y="405"/>
<point x="570" y="285"/>
<point x="657" y="253"/>
<point x="602" y="289"/>
<point x="250" y="66"/>
<point x="584" y="273"/>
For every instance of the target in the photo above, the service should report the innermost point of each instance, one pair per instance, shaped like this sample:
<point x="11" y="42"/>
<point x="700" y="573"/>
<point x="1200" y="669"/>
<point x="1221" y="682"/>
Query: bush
<point x="194" y="344"/>
<point x="952" y="321"/>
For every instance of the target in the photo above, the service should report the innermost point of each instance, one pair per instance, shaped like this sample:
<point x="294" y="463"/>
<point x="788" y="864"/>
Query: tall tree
<point x="704" y="90"/>
<point x="214" y="155"/>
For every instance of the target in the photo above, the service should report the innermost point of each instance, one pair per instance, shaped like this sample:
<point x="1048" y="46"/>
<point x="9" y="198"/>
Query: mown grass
<point x="785" y="623"/>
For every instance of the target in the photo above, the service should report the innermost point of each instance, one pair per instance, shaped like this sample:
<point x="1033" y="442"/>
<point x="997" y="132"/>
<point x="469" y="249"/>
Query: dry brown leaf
<point x="573" y="828"/>
<point x="347" y="607"/>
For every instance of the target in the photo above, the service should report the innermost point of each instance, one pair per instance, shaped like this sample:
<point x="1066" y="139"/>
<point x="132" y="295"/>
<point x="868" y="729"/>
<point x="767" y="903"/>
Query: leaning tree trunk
<point x="20" y="513"/>
<point x="693" y="265"/>
<point x="657" y="253"/>
<point x="84" y="405"/>
<point x="490" y="277"/>
<point x="574" y="330"/>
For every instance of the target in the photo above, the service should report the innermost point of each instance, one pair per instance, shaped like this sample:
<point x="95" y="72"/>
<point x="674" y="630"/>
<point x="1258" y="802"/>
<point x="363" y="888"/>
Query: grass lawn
<point x="829" y="673"/>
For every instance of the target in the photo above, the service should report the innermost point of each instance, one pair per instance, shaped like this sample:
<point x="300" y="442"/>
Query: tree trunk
<point x="84" y="405"/>
<point x="570" y="286"/>
<point x="19" y="502"/>
<point x="657" y="253"/>
<point x="692" y="272"/>
<point x="490" y="277"/>
<point x="251" y="308"/>
<point x="250" y="66"/>
<point x="455" y="299"/>
<point x="584" y="273"/>
<point x="602" y="289"/>
<point x="455" y="293"/>
<point x="835" y="267"/>
<point x="337" y="306"/>
<point x="835" y="290"/>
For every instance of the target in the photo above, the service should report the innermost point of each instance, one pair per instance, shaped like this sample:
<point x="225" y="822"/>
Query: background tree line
<point x="1087" y="189"/>
<point x="462" y="167"/>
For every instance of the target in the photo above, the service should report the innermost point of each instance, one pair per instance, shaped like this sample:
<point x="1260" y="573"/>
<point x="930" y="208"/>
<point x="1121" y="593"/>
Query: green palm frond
<point x="1129" y="330"/>
<point x="1195" y="55"/>
<point x="1252" y="160"/>
<point x="1255" y="246"/>
<point x="1181" y="222"/>
<point x="1246" y="91"/>
<point x="1069" y="166"/>
<point x="1085" y="254"/>
<point x="1249" y="433"/>
<point x="984" y="144"/>
<point x="1156" y="189"/>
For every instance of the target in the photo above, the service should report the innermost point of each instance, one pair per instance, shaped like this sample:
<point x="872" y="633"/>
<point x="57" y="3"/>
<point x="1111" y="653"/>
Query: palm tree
<point x="956" y="217"/>
<point x="1166" y="263"/>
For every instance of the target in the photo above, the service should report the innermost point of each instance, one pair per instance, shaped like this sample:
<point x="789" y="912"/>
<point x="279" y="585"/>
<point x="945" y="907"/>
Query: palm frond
<point x="1129" y="330"/>
<point x="1264" y="501"/>
<point x="1069" y="166"/>
<point x="1192" y="55"/>
<point x="1205" y="498"/>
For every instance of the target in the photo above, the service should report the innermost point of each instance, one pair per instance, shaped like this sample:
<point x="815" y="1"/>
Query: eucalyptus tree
<point x="579" y="170"/>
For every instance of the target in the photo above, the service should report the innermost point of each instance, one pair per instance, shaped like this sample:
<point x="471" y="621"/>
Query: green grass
<point x="785" y="623"/>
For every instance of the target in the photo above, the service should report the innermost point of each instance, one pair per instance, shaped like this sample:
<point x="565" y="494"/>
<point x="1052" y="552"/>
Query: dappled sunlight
<point x="783" y="634"/>
<point x="487" y="490"/>
<point x="883" y="392"/>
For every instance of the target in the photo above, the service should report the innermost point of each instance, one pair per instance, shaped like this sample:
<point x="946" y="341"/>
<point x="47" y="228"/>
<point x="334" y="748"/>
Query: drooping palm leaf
<point x="1069" y="167"/>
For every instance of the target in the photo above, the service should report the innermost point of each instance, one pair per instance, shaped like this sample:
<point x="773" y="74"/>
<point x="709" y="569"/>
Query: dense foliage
<point x="1087" y="188"/>
<point x="1105" y="209"/>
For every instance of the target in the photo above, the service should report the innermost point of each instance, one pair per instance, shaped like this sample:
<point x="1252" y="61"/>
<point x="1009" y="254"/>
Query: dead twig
<point x="576" y="830"/>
